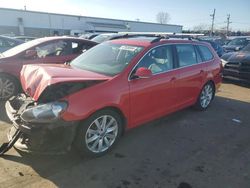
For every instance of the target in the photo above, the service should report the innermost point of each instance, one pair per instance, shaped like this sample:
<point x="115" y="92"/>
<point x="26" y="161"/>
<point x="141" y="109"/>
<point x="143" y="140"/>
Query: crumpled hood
<point x="35" y="78"/>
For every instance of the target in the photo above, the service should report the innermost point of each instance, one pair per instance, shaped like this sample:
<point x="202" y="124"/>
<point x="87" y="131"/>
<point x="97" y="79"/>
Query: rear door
<point x="191" y="73"/>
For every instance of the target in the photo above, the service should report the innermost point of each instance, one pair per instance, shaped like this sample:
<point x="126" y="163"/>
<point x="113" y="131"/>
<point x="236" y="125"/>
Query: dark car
<point x="217" y="47"/>
<point x="7" y="43"/>
<point x="25" y="38"/>
<point x="236" y="44"/>
<point x="44" y="50"/>
<point x="237" y="65"/>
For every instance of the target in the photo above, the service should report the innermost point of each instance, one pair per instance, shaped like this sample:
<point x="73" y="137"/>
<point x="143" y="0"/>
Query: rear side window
<point x="206" y="53"/>
<point x="186" y="54"/>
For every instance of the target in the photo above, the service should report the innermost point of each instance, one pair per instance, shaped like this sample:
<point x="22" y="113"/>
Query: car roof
<point x="147" y="41"/>
<point x="46" y="39"/>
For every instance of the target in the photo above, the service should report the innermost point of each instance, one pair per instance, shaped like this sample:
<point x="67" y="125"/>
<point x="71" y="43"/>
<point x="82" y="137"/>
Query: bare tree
<point x="162" y="17"/>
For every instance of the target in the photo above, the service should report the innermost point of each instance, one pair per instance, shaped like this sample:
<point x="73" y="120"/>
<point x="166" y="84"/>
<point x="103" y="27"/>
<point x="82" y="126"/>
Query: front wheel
<point x="98" y="134"/>
<point x="206" y="96"/>
<point x="8" y="87"/>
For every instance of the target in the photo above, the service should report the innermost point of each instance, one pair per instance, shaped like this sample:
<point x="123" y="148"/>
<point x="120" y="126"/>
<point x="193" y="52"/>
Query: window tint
<point x="107" y="58"/>
<point x="55" y="48"/>
<point x="206" y="53"/>
<point x="79" y="47"/>
<point x="5" y="43"/>
<point x="186" y="54"/>
<point x="158" y="60"/>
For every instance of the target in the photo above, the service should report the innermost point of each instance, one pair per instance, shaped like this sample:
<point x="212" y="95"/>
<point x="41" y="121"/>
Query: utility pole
<point x="228" y="22"/>
<point x="212" y="27"/>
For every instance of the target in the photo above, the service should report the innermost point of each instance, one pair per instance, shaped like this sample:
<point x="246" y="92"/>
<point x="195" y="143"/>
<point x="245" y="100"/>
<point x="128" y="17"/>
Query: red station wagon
<point x="113" y="87"/>
<point x="43" y="50"/>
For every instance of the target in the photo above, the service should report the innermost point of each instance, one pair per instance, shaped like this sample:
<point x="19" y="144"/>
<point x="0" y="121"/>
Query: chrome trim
<point x="171" y="69"/>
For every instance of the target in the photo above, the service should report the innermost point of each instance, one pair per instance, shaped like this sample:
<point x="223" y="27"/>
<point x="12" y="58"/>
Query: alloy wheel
<point x="206" y="96"/>
<point x="101" y="134"/>
<point x="7" y="88"/>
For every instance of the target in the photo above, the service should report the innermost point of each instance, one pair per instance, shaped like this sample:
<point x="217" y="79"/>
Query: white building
<point x="31" y="23"/>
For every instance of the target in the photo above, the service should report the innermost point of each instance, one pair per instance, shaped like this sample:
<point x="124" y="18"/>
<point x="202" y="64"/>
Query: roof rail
<point x="158" y="35"/>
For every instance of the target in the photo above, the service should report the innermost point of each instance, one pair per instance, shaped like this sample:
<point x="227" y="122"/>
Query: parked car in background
<point x="24" y="38"/>
<point x="217" y="47"/>
<point x="237" y="65"/>
<point x="89" y="35"/>
<point x="7" y="43"/>
<point x="106" y="36"/>
<point x="43" y="50"/>
<point x="115" y="86"/>
<point x="236" y="44"/>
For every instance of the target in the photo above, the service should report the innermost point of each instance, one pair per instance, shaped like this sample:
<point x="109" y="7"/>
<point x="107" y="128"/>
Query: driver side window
<point x="55" y="48"/>
<point x="158" y="60"/>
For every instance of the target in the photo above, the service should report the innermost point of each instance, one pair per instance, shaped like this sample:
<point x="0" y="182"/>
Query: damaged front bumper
<point x="49" y="138"/>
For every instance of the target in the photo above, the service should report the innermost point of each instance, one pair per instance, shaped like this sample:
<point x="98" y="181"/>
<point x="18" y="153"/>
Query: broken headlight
<point x="44" y="113"/>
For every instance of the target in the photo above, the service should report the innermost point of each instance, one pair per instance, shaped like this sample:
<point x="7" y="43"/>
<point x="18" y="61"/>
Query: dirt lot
<point x="204" y="149"/>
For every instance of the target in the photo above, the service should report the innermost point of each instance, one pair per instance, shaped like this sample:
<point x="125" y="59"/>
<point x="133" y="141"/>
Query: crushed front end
<point x="40" y="126"/>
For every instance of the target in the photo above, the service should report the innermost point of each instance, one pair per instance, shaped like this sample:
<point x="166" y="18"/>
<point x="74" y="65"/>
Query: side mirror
<point x="143" y="72"/>
<point x="30" y="53"/>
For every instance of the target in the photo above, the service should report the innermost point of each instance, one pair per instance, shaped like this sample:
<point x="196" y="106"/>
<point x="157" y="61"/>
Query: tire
<point x="94" y="140"/>
<point x="205" y="97"/>
<point x="8" y="86"/>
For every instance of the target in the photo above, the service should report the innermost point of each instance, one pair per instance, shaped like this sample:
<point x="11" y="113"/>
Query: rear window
<point x="186" y="54"/>
<point x="206" y="53"/>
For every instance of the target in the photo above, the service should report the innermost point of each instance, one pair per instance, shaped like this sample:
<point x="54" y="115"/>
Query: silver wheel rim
<point x="206" y="96"/>
<point x="7" y="88"/>
<point x="101" y="134"/>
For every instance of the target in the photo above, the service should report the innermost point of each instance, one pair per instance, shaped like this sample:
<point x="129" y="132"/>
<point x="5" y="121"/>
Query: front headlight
<point x="223" y="62"/>
<point x="44" y="113"/>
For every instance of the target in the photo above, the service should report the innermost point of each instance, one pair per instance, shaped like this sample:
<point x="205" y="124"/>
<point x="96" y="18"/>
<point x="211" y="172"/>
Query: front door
<point x="153" y="97"/>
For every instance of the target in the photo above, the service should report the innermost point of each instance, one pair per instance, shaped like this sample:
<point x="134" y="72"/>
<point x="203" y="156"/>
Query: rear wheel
<point x="206" y="96"/>
<point x="98" y="134"/>
<point x="8" y="87"/>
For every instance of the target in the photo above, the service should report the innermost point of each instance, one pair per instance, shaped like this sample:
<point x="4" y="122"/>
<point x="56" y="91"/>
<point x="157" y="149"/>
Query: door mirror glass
<point x="143" y="72"/>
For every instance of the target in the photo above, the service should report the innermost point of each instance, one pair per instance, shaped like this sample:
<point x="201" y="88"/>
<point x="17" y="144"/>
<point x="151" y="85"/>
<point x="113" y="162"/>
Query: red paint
<point x="139" y="100"/>
<point x="12" y="65"/>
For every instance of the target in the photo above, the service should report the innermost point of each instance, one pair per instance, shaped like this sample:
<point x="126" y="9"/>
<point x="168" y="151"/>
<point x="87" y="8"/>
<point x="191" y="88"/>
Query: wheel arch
<point x="115" y="109"/>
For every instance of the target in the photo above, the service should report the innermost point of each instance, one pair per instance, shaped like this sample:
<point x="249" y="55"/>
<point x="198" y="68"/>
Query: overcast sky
<point x="188" y="13"/>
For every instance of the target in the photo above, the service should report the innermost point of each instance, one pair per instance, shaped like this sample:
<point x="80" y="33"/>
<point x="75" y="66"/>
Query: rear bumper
<point x="49" y="138"/>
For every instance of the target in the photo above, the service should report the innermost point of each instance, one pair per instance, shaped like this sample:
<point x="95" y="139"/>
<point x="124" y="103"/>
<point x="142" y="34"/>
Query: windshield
<point x="101" y="38"/>
<point x="238" y="41"/>
<point x="106" y="58"/>
<point x="22" y="47"/>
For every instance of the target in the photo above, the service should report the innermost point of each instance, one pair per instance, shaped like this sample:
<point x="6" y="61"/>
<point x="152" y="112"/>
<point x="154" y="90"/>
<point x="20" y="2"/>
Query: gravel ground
<point x="186" y="149"/>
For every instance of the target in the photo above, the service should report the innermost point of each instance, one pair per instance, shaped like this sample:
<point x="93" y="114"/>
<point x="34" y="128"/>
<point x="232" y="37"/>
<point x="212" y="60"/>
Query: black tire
<point x="199" y="105"/>
<point x="82" y="133"/>
<point x="5" y="78"/>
